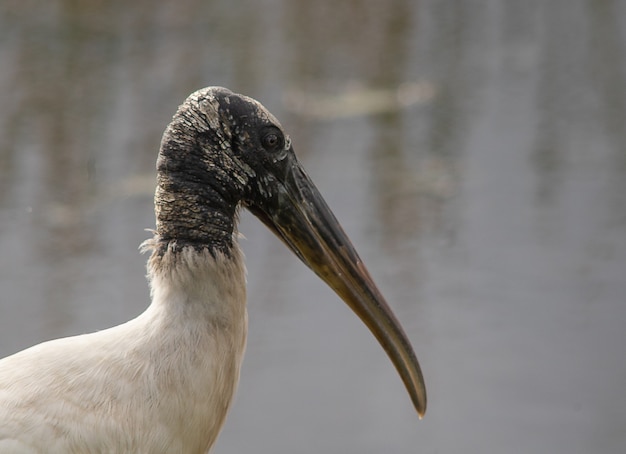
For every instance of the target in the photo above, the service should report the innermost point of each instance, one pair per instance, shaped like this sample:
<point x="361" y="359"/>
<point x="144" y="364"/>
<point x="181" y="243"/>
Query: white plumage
<point x="161" y="382"/>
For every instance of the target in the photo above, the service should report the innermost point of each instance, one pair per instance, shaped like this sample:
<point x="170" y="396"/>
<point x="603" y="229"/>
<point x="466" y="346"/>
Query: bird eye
<point x="272" y="141"/>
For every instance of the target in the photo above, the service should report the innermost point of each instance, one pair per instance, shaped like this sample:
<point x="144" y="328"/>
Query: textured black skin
<point x="210" y="158"/>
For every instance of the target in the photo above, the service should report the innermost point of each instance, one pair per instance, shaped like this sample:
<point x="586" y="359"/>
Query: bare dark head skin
<point x="224" y="151"/>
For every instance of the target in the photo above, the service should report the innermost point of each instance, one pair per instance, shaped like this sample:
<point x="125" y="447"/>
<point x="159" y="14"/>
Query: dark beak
<point x="296" y="212"/>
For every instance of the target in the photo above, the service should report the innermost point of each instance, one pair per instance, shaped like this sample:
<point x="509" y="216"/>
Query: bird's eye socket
<point x="272" y="141"/>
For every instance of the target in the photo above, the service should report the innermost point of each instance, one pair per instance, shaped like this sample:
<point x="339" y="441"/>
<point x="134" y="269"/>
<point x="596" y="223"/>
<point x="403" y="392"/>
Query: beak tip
<point x="421" y="411"/>
<point x="419" y="400"/>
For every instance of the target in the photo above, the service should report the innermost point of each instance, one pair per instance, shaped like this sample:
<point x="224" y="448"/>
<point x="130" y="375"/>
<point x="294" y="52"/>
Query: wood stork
<point x="163" y="381"/>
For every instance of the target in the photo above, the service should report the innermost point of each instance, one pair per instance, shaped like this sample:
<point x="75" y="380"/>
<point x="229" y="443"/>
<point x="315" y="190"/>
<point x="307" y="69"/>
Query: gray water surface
<point x="475" y="152"/>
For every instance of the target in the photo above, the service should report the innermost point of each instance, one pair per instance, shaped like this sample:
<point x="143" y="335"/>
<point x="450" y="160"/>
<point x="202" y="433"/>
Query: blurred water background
<point x="474" y="151"/>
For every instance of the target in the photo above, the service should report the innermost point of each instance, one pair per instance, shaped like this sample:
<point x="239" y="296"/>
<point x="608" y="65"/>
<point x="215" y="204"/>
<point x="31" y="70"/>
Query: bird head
<point x="224" y="151"/>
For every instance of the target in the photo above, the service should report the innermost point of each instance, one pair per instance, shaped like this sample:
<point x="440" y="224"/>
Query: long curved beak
<point x="296" y="212"/>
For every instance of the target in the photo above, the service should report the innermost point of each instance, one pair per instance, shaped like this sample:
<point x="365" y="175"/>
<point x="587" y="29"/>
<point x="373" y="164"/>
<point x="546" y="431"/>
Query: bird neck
<point x="208" y="282"/>
<point x="193" y="214"/>
<point x="196" y="326"/>
<point x="199" y="188"/>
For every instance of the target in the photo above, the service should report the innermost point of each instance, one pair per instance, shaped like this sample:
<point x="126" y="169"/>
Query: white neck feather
<point x="199" y="312"/>
<point x="161" y="382"/>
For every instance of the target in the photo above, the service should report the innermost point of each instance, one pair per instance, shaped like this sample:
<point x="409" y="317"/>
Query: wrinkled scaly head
<point x="223" y="151"/>
<point x="220" y="150"/>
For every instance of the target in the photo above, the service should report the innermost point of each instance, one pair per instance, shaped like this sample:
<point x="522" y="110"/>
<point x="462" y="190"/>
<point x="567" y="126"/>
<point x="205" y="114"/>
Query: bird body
<point x="163" y="382"/>
<point x="159" y="383"/>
